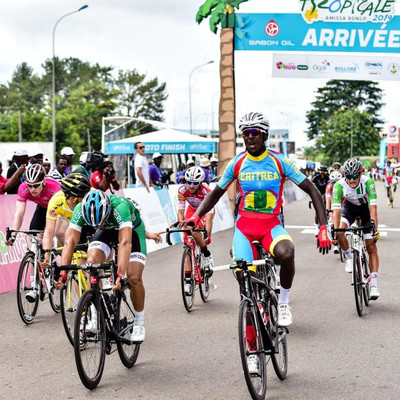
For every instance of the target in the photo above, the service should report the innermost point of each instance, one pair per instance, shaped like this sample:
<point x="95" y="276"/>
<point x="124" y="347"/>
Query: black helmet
<point x="323" y="168"/>
<point x="75" y="185"/>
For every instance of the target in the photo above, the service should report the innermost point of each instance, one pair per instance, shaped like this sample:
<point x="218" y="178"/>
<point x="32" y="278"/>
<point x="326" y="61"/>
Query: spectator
<point x="20" y="158"/>
<point x="205" y="166"/>
<point x="84" y="164"/>
<point x="10" y="183"/>
<point x="214" y="169"/>
<point x="46" y="165"/>
<point x="36" y="158"/>
<point x="180" y="175"/>
<point x="59" y="171"/>
<point x="142" y="173"/>
<point x="104" y="177"/>
<point x="156" y="173"/>
<point x="69" y="154"/>
<point x="190" y="163"/>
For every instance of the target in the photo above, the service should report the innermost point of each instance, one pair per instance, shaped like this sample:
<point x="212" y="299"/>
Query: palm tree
<point x="222" y="12"/>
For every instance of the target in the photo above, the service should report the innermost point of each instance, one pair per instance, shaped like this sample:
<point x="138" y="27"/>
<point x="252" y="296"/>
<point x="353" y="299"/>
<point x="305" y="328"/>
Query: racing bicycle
<point x="192" y="260"/>
<point x="34" y="282"/>
<point x="361" y="274"/>
<point x="261" y="339"/>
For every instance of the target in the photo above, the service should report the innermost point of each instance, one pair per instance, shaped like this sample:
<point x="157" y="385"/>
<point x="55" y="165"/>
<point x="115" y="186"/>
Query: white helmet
<point x="253" y="120"/>
<point x="335" y="176"/>
<point x="35" y="173"/>
<point x="195" y="174"/>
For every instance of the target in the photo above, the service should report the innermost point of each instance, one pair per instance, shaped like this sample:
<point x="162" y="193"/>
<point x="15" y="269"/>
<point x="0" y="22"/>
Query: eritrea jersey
<point x="58" y="206"/>
<point x="50" y="188"/>
<point x="363" y="194"/>
<point x="123" y="214"/>
<point x="260" y="180"/>
<point x="389" y="173"/>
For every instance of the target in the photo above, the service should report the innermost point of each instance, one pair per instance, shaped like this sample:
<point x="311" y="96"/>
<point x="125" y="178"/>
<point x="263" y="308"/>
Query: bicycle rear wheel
<point x="70" y="296"/>
<point x="128" y="352"/>
<point x="26" y="309"/>
<point x="366" y="288"/>
<point x="205" y="283"/>
<point x="357" y="282"/>
<point x="280" y="359"/>
<point x="250" y="340"/>
<point x="188" y="298"/>
<point x="90" y="340"/>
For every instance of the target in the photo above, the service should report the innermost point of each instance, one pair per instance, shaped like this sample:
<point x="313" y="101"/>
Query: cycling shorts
<point x="103" y="238"/>
<point x="350" y="212"/>
<point x="266" y="228"/>
<point x="38" y="221"/>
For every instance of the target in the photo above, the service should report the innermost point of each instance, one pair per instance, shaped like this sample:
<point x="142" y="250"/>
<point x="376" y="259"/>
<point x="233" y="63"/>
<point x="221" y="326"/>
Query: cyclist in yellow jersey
<point x="61" y="208"/>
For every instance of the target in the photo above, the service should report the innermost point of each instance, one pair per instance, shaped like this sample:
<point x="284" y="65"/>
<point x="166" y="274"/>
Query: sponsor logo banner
<point x="289" y="32"/>
<point x="325" y="66"/>
<point x="162" y="147"/>
<point x="376" y="11"/>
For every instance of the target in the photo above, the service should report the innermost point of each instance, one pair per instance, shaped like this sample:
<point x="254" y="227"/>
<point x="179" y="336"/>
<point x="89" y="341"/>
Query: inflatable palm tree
<point x="222" y="12"/>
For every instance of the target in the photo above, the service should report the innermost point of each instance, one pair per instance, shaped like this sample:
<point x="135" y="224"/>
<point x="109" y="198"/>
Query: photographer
<point x="104" y="178"/>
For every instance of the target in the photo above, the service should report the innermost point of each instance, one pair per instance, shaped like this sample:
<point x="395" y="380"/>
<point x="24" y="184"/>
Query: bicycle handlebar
<point x="32" y="232"/>
<point x="85" y="267"/>
<point x="354" y="228"/>
<point x="168" y="232"/>
<point x="59" y="249"/>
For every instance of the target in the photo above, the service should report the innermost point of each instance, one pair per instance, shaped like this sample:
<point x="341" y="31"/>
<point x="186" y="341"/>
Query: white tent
<point x="165" y="141"/>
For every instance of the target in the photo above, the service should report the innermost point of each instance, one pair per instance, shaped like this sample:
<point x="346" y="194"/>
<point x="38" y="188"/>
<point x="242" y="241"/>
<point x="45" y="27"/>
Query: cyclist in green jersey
<point x="116" y="219"/>
<point x="355" y="196"/>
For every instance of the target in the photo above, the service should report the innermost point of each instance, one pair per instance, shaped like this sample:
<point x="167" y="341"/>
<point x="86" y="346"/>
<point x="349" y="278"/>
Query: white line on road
<point x="312" y="227"/>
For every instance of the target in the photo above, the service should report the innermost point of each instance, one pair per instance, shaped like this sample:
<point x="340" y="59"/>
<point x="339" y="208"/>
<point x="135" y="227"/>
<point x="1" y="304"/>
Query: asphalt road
<point x="333" y="353"/>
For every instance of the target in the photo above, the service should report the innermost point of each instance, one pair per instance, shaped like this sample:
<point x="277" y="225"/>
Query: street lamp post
<point x="190" y="92"/>
<point x="54" y="82"/>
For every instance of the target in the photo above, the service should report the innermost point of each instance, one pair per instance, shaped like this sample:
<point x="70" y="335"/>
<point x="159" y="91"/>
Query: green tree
<point x="345" y="116"/>
<point x="140" y="97"/>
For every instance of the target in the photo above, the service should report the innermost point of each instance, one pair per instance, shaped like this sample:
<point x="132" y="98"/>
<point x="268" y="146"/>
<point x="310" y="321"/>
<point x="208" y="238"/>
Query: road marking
<point x="312" y="231"/>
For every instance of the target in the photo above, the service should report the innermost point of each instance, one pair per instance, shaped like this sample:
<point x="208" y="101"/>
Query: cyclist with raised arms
<point x="39" y="189"/>
<point x="360" y="200"/>
<point x="193" y="193"/>
<point x="260" y="174"/>
<point x="390" y="179"/>
<point x="115" y="219"/>
<point x="61" y="206"/>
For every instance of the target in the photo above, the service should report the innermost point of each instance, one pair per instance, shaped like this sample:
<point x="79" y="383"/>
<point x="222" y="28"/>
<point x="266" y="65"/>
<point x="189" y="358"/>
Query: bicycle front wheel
<point x="70" y="295"/>
<point x="357" y="282"/>
<point x="90" y="340"/>
<point x="128" y="352"/>
<point x="205" y="282"/>
<point x="54" y="296"/>
<point x="27" y="305"/>
<point x="187" y="291"/>
<point x="252" y="351"/>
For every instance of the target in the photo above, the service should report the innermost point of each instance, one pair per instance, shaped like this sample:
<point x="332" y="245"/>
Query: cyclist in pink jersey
<point x="38" y="189"/>
<point x="260" y="174"/>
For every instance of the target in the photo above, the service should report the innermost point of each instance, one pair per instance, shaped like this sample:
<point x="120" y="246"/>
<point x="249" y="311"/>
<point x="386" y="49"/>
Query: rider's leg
<point x="134" y="274"/>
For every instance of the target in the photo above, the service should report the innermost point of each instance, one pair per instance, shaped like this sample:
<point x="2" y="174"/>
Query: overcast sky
<point x="161" y="38"/>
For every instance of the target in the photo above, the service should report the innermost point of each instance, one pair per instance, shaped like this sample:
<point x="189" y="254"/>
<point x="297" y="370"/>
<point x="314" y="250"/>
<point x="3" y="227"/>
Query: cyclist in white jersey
<point x="358" y="194"/>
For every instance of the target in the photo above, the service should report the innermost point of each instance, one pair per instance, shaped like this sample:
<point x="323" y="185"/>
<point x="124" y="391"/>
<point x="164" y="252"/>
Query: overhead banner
<point x="163" y="147"/>
<point x="325" y="66"/>
<point x="290" y="32"/>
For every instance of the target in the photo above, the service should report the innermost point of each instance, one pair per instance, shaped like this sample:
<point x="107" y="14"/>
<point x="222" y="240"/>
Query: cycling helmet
<point x="96" y="207"/>
<point x="336" y="165"/>
<point x="195" y="174"/>
<point x="352" y="167"/>
<point x="75" y="185"/>
<point x="253" y="120"/>
<point x="335" y="176"/>
<point x="35" y="173"/>
<point x="323" y="168"/>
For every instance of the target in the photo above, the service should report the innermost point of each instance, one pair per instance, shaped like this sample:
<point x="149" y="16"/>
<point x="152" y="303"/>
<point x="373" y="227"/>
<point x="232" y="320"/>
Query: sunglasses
<point x="193" y="183"/>
<point x="253" y="131"/>
<point x="34" y="185"/>
<point x="141" y="147"/>
<point x="354" y="176"/>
